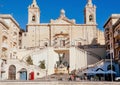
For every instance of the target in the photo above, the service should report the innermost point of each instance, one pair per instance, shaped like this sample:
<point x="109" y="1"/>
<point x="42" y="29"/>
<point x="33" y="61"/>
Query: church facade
<point x="62" y="31"/>
<point x="60" y="37"/>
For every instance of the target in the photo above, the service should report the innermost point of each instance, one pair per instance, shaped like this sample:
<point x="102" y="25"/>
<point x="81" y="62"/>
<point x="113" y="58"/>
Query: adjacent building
<point x="9" y="30"/>
<point x="10" y="36"/>
<point x="116" y="31"/>
<point x="112" y="36"/>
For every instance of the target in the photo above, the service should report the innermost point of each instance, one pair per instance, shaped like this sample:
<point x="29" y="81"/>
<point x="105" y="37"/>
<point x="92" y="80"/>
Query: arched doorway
<point x="23" y="74"/>
<point x="111" y="67"/>
<point x="110" y="76"/>
<point x="12" y="72"/>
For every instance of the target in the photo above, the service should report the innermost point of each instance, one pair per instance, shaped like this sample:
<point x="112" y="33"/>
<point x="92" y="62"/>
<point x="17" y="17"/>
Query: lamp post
<point x="47" y="62"/>
<point x="111" y="66"/>
<point x="111" y="56"/>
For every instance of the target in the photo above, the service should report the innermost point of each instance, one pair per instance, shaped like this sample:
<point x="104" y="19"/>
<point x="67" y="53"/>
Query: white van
<point x="117" y="79"/>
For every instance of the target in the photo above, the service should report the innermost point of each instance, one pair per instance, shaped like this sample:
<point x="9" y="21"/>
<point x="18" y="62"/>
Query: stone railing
<point x="91" y="46"/>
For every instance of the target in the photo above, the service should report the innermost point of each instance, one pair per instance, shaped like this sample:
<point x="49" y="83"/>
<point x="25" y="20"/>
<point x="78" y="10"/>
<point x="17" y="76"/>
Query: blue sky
<point x="50" y="9"/>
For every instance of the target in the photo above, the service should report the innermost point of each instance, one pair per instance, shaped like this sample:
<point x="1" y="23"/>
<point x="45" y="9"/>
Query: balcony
<point x="4" y="56"/>
<point x="117" y="34"/>
<point x="5" y="45"/>
<point x="14" y="39"/>
<point x="117" y="57"/>
<point x="14" y="49"/>
<point x="117" y="44"/>
<point x="63" y="48"/>
<point x="5" y="33"/>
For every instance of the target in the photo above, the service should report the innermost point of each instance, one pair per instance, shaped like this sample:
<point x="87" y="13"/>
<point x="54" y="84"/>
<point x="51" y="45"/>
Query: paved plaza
<point x="56" y="83"/>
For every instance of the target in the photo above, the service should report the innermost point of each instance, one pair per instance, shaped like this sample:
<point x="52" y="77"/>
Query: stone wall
<point x="57" y="83"/>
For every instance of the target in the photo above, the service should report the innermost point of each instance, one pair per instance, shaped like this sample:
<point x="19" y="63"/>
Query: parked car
<point x="117" y="79"/>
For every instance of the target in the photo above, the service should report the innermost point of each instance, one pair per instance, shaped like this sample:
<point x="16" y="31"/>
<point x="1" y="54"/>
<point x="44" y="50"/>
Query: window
<point x="25" y="34"/>
<point x="33" y="18"/>
<point x="24" y="47"/>
<point x="118" y="31"/>
<point x="46" y="44"/>
<point x="79" y="43"/>
<point x="111" y="67"/>
<point x="62" y="43"/>
<point x="119" y="54"/>
<point x="91" y="18"/>
<point x="38" y="74"/>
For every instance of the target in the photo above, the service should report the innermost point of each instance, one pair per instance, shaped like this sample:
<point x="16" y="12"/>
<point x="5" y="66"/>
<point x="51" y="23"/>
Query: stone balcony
<point x="15" y="40"/>
<point x="117" y="34"/>
<point x="14" y="49"/>
<point x="117" y="44"/>
<point x="4" y="55"/>
<point x="61" y="47"/>
<point x="5" y="32"/>
<point x="5" y="45"/>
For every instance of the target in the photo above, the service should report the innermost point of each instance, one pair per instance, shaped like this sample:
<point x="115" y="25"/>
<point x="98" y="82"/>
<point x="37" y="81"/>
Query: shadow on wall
<point x="94" y="41"/>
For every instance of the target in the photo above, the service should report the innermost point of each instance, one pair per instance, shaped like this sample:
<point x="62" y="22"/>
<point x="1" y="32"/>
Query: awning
<point x="99" y="72"/>
<point x="89" y="71"/>
<point x="110" y="72"/>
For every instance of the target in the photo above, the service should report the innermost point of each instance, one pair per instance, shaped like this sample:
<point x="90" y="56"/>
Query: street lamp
<point x="111" y="56"/>
<point x="47" y="61"/>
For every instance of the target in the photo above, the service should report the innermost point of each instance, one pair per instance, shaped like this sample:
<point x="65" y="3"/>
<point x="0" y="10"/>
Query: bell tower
<point x="33" y="13"/>
<point x="90" y="13"/>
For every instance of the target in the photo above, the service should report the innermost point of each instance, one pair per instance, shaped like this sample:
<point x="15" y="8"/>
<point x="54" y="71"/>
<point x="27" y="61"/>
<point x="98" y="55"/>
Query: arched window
<point x="79" y="43"/>
<point x="46" y="44"/>
<point x="33" y="18"/>
<point x="12" y="72"/>
<point x="111" y="67"/>
<point x="91" y="18"/>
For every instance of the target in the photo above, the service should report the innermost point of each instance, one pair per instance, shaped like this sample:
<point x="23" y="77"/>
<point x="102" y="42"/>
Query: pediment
<point x="62" y="21"/>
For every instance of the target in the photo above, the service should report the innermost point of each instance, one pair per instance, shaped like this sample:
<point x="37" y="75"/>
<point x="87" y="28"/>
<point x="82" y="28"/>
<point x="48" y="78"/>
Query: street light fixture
<point x="111" y="56"/>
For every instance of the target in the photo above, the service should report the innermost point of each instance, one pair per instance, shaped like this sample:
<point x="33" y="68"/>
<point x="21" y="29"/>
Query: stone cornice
<point x="61" y="24"/>
<point x="7" y="16"/>
<point x="113" y="16"/>
<point x="2" y="22"/>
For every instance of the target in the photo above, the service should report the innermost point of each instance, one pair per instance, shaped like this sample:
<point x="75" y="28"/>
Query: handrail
<point x="91" y="53"/>
<point x="33" y="50"/>
<point x="92" y="65"/>
<point x="95" y="55"/>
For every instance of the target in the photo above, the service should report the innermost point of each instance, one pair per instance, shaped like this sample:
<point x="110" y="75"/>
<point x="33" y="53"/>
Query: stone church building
<point x="58" y="40"/>
<point x="62" y="32"/>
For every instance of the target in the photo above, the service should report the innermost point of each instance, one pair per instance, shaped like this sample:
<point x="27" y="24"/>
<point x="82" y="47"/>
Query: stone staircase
<point x="56" y="77"/>
<point x="90" y="53"/>
<point x="92" y="65"/>
<point x="32" y="52"/>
